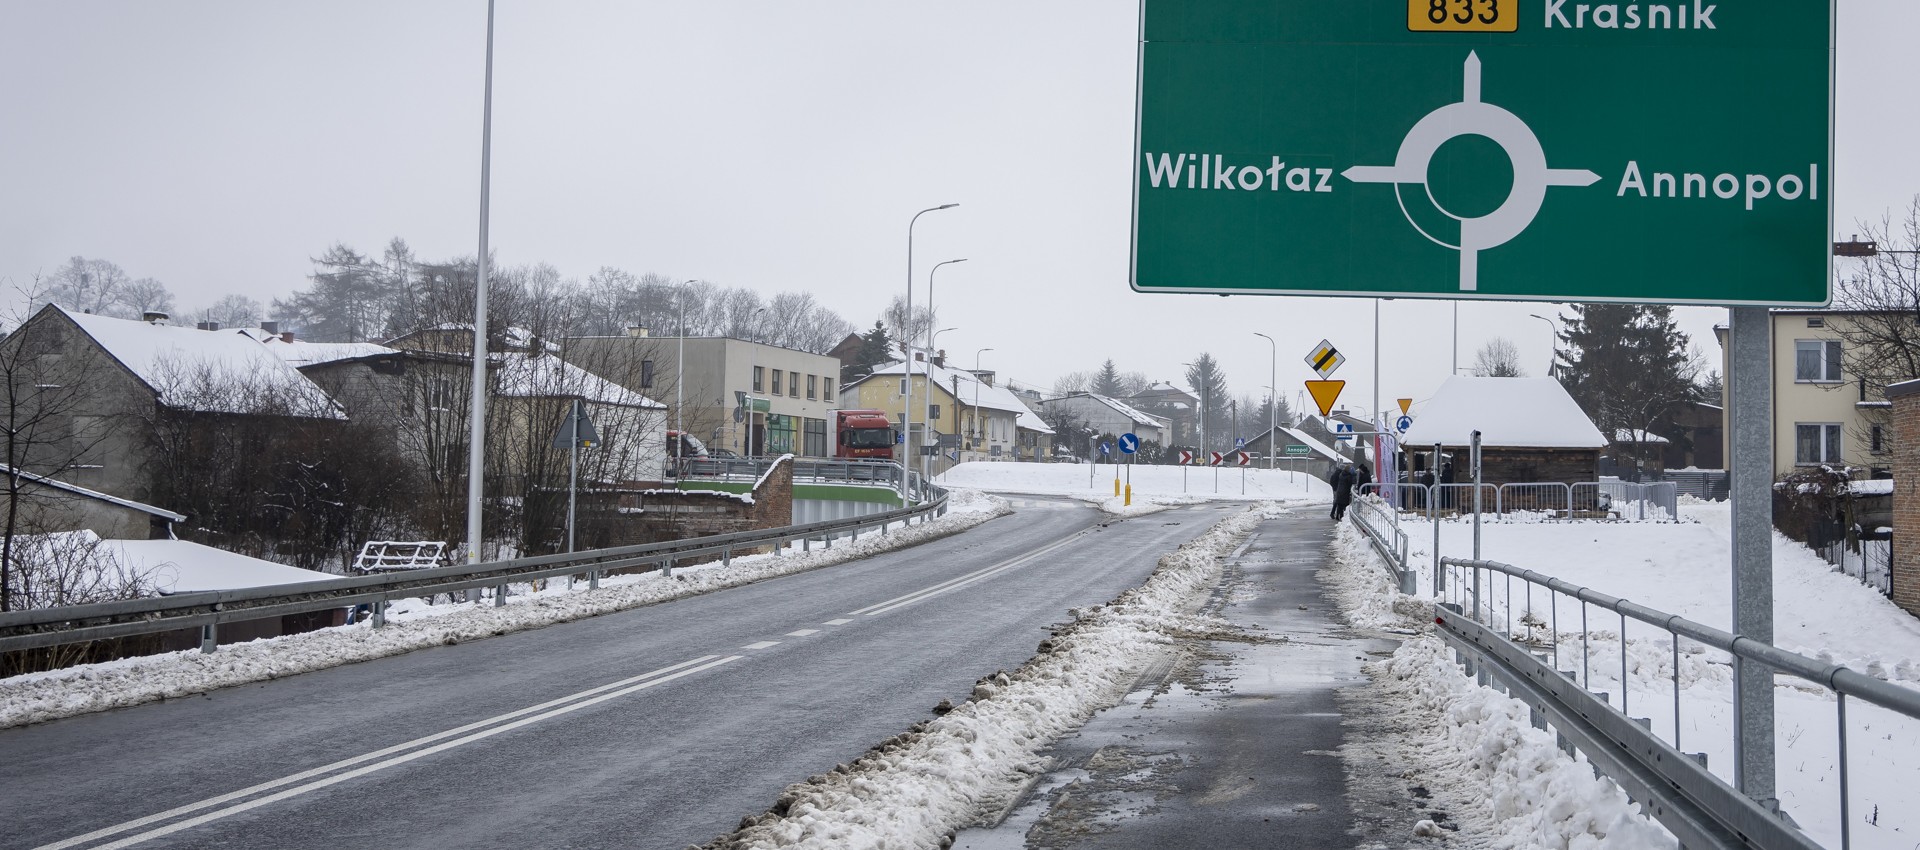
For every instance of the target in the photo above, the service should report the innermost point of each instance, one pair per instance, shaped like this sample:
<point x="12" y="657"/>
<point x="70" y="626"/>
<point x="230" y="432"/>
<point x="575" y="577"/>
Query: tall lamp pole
<point x="976" y="395"/>
<point x="906" y="413"/>
<point x="1554" y="338"/>
<point x="1273" y="401"/>
<point x="753" y="374"/>
<point x="477" y="408"/>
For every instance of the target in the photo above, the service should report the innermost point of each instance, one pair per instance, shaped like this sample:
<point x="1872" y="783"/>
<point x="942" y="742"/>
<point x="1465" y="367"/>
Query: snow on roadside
<point x="918" y="788"/>
<point x="39" y="697"/>
<point x="1142" y="505"/>
<point x="1503" y="781"/>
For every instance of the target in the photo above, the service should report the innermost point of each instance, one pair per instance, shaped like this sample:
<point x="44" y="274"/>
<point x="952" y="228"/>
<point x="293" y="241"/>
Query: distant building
<point x="1531" y="430"/>
<point x="1110" y="416"/>
<point x="1821" y="414"/>
<point x="964" y="413"/>
<point x="1177" y="406"/>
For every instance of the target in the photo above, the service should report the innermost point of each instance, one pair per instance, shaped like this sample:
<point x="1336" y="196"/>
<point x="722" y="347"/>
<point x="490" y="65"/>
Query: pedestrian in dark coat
<point x="1342" y="482"/>
<point x="1446" y="477"/>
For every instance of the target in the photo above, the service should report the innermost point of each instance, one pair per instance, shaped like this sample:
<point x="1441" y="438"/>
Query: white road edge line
<point x="955" y="584"/>
<point x="308" y="774"/>
<point x="840" y="622"/>
<point x="761" y="644"/>
<point x="979" y="572"/>
<point x="803" y="633"/>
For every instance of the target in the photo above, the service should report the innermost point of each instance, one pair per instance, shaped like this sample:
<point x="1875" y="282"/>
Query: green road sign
<point x="1296" y="449"/>
<point x="1675" y="151"/>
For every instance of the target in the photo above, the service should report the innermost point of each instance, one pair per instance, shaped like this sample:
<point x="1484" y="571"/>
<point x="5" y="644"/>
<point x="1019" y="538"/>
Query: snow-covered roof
<point x="989" y="397"/>
<point x="206" y="371"/>
<point x="1133" y="414"/>
<point x="302" y="353"/>
<point x="172" y="566"/>
<point x="526" y="375"/>
<point x="1508" y="412"/>
<point x="93" y="494"/>
<point x="1635" y="435"/>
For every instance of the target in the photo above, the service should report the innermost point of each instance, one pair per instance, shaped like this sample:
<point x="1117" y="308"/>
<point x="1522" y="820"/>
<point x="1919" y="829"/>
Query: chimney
<point x="154" y="317"/>
<point x="636" y="332"/>
<point x="286" y="336"/>
<point x="272" y="328"/>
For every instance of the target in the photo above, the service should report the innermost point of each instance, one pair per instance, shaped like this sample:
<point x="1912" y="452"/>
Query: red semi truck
<point x="863" y="435"/>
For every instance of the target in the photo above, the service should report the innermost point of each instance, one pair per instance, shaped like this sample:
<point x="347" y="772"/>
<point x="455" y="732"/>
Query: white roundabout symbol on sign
<point x="1474" y="117"/>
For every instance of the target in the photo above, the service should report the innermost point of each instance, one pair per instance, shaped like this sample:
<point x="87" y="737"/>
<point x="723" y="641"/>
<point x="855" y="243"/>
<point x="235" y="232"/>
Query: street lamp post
<point x="1554" y="339"/>
<point x="477" y="407"/>
<point x="1273" y="400"/>
<point x="975" y="436"/>
<point x="906" y="413"/>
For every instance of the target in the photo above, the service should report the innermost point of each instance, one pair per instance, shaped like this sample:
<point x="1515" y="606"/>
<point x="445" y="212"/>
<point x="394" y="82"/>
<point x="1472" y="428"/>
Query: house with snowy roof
<point x="1109" y="416"/>
<point x="93" y="393"/>
<point x="1179" y="407"/>
<point x="981" y="421"/>
<point x="419" y="384"/>
<point x="1531" y="431"/>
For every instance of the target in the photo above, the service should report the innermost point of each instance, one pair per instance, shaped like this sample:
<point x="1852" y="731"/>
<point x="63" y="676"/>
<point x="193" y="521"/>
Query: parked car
<point x="723" y="454"/>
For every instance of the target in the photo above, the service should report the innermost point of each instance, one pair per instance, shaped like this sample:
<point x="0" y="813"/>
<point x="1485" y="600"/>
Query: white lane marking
<point x="393" y="762"/>
<point x="803" y="633"/>
<point x="840" y="622"/>
<point x="329" y="768"/>
<point x="761" y="644"/>
<point x="962" y="581"/>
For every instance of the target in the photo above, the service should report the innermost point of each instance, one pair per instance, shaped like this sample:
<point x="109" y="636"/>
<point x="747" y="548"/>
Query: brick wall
<point x="1906" y="496"/>
<point x="683" y="514"/>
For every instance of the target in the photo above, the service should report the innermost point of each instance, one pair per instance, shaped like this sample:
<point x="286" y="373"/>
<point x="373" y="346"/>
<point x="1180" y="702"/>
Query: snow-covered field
<point x="1682" y="568"/>
<point x="1151" y="484"/>
<point x="413" y="624"/>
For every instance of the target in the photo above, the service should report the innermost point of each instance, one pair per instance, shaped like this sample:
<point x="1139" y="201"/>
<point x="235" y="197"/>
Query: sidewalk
<point x="1231" y="745"/>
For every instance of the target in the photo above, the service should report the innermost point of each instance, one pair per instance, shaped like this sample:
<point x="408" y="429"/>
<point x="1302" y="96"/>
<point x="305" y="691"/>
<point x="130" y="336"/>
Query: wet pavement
<point x="1231" y="742"/>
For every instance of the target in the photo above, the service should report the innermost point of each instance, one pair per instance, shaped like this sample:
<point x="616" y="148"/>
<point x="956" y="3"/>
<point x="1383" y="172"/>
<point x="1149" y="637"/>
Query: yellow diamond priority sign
<point x="1324" y="359"/>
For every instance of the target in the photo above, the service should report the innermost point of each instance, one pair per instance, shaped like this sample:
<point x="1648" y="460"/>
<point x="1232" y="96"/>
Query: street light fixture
<point x="1273" y="401"/>
<point x="932" y="341"/>
<point x="1554" y="329"/>
<point x="906" y="414"/>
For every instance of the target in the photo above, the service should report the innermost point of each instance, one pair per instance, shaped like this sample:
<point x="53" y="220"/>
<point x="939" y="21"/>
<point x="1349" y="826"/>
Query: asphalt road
<point x="653" y="728"/>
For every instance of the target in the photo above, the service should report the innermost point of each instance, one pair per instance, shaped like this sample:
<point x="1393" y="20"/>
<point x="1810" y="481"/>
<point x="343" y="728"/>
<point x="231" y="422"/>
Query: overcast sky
<point x="776" y="145"/>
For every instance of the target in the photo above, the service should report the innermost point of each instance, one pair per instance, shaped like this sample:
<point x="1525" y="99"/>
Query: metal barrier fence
<point x="1480" y="610"/>
<point x="1381" y="525"/>
<point x="881" y="472"/>
<point x="1587" y="500"/>
<point x="48" y="627"/>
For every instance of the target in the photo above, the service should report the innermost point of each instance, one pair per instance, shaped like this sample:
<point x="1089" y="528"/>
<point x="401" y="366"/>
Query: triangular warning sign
<point x="1405" y="405"/>
<point x="1324" y="393"/>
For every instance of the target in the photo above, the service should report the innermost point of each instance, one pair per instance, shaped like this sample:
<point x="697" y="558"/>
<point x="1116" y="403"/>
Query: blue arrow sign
<point x="1403" y="423"/>
<point x="1104" y="451"/>
<point x="1129" y="443"/>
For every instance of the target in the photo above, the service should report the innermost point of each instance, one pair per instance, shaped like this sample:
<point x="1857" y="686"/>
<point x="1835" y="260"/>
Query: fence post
<point x="593" y="579"/>
<point x="500" y="596"/>
<point x="379" y="613"/>
<point x="209" y="638"/>
<point x="666" y="568"/>
<point x="1475" y="460"/>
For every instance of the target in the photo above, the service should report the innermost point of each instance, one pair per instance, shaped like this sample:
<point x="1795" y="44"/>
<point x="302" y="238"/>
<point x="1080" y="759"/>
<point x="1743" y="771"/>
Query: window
<point x="793" y="384"/>
<point x="1877" y="440"/>
<point x="826" y="389"/>
<point x="1816" y="442"/>
<point x="776" y="382"/>
<point x="756" y="377"/>
<point x="1816" y="360"/>
<point x="933" y="412"/>
<point x="780" y="433"/>
<point x="1816" y="321"/>
<point x="816" y="437"/>
<point x="646" y="374"/>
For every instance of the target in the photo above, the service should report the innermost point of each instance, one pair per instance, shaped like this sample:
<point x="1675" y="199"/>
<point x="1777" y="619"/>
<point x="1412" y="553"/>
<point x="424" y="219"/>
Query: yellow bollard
<point x="1129" y="500"/>
<point x="1116" y="486"/>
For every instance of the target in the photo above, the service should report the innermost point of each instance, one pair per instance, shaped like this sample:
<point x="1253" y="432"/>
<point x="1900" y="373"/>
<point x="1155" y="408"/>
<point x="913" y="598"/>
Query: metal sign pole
<point x="573" y="468"/>
<point x="1750" y="444"/>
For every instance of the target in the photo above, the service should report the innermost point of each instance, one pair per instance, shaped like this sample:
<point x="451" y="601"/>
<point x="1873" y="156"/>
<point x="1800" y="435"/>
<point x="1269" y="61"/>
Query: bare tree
<point x="1880" y="296"/>
<point x="1072" y="382"/>
<point x="1498" y="358"/>
<point x="85" y="286"/>
<point x="143" y="296"/>
<point x="235" y="311"/>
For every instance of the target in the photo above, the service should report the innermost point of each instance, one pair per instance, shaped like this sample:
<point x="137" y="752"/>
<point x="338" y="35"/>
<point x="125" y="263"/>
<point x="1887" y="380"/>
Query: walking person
<point x="1342" y="482"/>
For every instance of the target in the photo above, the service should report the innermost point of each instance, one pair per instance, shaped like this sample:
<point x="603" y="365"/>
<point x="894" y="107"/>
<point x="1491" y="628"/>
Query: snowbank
<point x="413" y="624"/>
<point x="916" y="789"/>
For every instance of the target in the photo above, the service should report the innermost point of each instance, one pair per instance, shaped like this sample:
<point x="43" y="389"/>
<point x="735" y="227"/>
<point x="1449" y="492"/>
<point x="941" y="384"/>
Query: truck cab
<point x="864" y="435"/>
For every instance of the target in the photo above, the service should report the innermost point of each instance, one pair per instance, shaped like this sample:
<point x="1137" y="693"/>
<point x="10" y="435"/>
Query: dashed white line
<point x="840" y="622"/>
<point x="803" y="633"/>
<point x="761" y="644"/>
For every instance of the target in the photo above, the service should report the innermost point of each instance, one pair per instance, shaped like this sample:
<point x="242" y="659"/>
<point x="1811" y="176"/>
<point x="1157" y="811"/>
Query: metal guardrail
<point x="1701" y="809"/>
<point x="46" y="627"/>
<point x="1381" y="525"/>
<point x="1657" y="501"/>
<point x="880" y="472"/>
